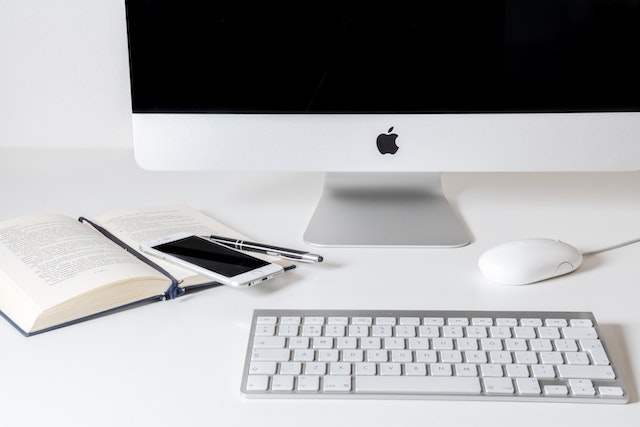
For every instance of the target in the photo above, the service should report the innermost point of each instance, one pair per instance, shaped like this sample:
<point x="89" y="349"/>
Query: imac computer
<point x="384" y="96"/>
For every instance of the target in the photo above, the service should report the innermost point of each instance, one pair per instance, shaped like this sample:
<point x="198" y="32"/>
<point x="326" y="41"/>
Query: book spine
<point x="173" y="291"/>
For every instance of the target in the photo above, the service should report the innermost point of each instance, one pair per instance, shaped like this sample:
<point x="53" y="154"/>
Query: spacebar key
<point x="418" y="385"/>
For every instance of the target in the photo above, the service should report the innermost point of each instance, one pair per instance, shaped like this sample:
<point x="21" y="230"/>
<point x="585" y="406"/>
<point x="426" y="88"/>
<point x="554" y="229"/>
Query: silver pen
<point x="276" y="251"/>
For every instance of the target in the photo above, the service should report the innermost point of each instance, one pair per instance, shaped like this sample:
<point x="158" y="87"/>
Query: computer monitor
<point x="384" y="96"/>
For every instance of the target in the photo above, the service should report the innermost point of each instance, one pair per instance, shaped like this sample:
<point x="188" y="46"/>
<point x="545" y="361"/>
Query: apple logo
<point x="387" y="142"/>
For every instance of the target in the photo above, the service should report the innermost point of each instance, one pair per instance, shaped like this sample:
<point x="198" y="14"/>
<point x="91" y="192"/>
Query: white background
<point x="64" y="79"/>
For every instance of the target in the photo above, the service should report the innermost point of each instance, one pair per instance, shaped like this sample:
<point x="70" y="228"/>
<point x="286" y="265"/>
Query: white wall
<point x="64" y="78"/>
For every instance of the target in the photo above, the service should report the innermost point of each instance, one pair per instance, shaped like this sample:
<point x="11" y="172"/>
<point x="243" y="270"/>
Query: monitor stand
<point x="401" y="209"/>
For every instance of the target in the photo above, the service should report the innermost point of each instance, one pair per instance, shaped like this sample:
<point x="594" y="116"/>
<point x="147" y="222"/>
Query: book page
<point x="54" y="258"/>
<point x="140" y="225"/>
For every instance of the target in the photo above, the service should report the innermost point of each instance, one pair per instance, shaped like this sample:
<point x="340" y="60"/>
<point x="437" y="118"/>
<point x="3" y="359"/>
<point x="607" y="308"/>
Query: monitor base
<point x="389" y="209"/>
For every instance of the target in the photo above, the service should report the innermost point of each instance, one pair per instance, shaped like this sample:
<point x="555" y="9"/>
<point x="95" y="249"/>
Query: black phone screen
<point x="211" y="256"/>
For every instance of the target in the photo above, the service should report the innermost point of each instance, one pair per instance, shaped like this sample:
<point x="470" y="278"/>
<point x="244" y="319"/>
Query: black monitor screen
<point x="397" y="56"/>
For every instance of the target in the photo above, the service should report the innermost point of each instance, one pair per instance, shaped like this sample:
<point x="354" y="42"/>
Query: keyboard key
<point x="466" y="344"/>
<point x="458" y="321"/>
<point x="429" y="331"/>
<point x="590" y="372"/>
<point x="516" y="371"/>
<point x="452" y="331"/>
<point x="531" y="322"/>
<point x="353" y="355"/>
<point x="433" y="321"/>
<point x="558" y="323"/>
<point x="491" y="344"/>
<point x="611" y="391"/>
<point x="314" y="320"/>
<point x="335" y="330"/>
<point x="577" y="358"/>
<point x="598" y="356"/>
<point x="524" y="332"/>
<point x="581" y="387"/>
<point x="358" y="331"/>
<point x="405" y="331"/>
<point x="390" y="369"/>
<point x="376" y="356"/>
<point x="257" y="382"/>
<point x="298" y="342"/>
<point x="346" y="342"/>
<point x="526" y="357"/>
<point x="440" y="370"/>
<point x="500" y="332"/>
<point x="308" y="383"/>
<point x="579" y="333"/>
<point x="265" y="330"/>
<point x="340" y="368"/>
<point x="498" y="386"/>
<point x="311" y="330"/>
<point x="419" y="369"/>
<point x="394" y="343"/>
<point x="466" y="370"/>
<point x="540" y="345"/>
<point x="404" y="356"/>
<point x="490" y="370"/>
<point x="527" y="386"/>
<point x="315" y="368"/>
<point x="506" y="321"/>
<point x="482" y="321"/>
<point x="556" y="390"/>
<point x="382" y="331"/>
<point x="565" y="345"/>
<point x="288" y="330"/>
<point x="366" y="368"/>
<point x="477" y="332"/>
<point x="581" y="322"/>
<point x="366" y="321"/>
<point x="337" y="383"/>
<point x="269" y="342"/>
<point x="426" y="356"/>
<point x="475" y="356"/>
<point x="543" y="371"/>
<point x="447" y="385"/>
<point x="303" y="355"/>
<point x="371" y="343"/>
<point x="262" y="368"/>
<point x="515" y="344"/>
<point x="291" y="368"/>
<point x="328" y="355"/>
<point x="270" y="355"/>
<point x="548" y="332"/>
<point x="322" y="342"/>
<point x="410" y="321"/>
<point x="282" y="383"/>
<point x="418" y="343"/>
<point x="290" y="320"/>
<point x="442" y="343"/>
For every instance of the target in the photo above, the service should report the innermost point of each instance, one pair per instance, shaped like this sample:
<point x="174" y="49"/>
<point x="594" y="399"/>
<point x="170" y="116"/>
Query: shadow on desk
<point x="615" y="339"/>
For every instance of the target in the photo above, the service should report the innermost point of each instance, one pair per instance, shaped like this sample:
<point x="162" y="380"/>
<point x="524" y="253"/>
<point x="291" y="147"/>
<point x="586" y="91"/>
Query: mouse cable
<point x="619" y="245"/>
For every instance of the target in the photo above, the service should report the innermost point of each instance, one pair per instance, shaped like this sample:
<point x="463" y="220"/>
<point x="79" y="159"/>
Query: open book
<point x="56" y="270"/>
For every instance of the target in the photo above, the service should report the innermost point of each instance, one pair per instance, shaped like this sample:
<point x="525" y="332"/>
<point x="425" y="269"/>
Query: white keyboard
<point x="534" y="356"/>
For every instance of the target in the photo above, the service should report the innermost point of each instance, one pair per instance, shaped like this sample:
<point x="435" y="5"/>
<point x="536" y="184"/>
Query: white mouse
<point x="521" y="262"/>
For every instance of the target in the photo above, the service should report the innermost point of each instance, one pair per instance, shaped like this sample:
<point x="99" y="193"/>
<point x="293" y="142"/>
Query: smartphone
<point x="225" y="265"/>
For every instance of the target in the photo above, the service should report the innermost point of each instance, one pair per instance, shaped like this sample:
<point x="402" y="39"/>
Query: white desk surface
<point x="180" y="362"/>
